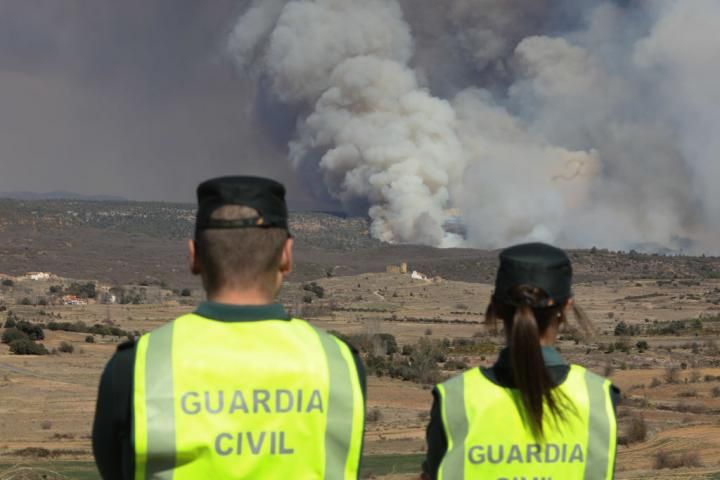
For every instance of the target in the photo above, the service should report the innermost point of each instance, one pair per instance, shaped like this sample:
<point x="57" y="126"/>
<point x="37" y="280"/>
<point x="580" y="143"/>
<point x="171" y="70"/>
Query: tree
<point x="424" y="362"/>
<point x="35" y="332"/>
<point x="672" y="374"/>
<point x="26" y="346"/>
<point x="314" y="288"/>
<point x="384" y="343"/>
<point x="12" y="334"/>
<point x="83" y="290"/>
<point x="621" y="329"/>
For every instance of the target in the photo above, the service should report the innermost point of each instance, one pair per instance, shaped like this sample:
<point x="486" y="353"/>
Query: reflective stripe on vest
<point x="273" y="399"/>
<point x="489" y="438"/>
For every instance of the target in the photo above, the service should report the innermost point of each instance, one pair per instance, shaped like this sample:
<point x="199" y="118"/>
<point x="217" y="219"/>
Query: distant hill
<point x="60" y="195"/>
<point x="124" y="242"/>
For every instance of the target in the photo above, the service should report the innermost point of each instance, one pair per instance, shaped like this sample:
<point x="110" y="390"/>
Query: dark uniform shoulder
<point x="352" y="347"/>
<point x="615" y="396"/>
<point x="126" y="345"/>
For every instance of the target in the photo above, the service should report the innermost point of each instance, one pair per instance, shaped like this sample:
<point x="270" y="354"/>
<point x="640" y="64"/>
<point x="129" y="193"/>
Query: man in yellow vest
<point x="531" y="415"/>
<point x="238" y="389"/>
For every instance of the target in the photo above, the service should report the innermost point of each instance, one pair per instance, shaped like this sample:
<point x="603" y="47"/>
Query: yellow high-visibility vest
<point x="488" y="437"/>
<point x="274" y="399"/>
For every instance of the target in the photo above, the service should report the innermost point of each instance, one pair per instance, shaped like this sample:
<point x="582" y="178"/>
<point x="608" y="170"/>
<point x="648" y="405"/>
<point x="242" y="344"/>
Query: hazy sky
<point x="130" y="98"/>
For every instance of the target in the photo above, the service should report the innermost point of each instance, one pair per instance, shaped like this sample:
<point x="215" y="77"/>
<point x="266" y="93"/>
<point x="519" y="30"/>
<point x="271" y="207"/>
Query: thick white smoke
<point x="633" y="91"/>
<point x="579" y="122"/>
<point x="378" y="139"/>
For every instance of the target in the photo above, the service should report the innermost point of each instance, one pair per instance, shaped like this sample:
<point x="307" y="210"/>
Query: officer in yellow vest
<point x="531" y="415"/>
<point x="238" y="389"/>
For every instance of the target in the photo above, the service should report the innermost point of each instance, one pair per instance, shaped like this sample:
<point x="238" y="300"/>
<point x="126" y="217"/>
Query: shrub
<point x="455" y="365"/>
<point x="12" y="334"/>
<point x="82" y="327"/>
<point x="473" y="346"/>
<point x="83" y="290"/>
<point x="688" y="393"/>
<point x="665" y="459"/>
<point x="25" y="301"/>
<point x="672" y="375"/>
<point x="89" y="339"/>
<point x="642" y="345"/>
<point x="424" y="362"/>
<point x="8" y="283"/>
<point x="655" y="382"/>
<point x="27" y="347"/>
<point x="46" y="425"/>
<point x="10" y="322"/>
<point x="186" y="292"/>
<point x="66" y="347"/>
<point x="35" y="332"/>
<point x="636" y="431"/>
<point x="307" y="299"/>
<point x="385" y="342"/>
<point x="715" y="392"/>
<point x="373" y="415"/>
<point x="314" y="288"/>
<point x="623" y="345"/>
<point x="428" y="331"/>
<point x="621" y="329"/>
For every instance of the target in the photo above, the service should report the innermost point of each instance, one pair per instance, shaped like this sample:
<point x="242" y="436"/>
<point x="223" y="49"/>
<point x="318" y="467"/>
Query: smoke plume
<point x="583" y="122"/>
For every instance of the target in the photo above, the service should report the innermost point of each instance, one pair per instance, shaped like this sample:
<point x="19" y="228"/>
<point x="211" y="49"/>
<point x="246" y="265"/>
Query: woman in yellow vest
<point x="531" y="415"/>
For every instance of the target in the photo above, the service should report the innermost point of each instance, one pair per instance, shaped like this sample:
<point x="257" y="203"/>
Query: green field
<point x="376" y="465"/>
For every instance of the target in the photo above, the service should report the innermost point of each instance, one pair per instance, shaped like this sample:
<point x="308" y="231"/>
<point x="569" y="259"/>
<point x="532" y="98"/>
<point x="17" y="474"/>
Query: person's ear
<point x="193" y="260"/>
<point x="286" y="258"/>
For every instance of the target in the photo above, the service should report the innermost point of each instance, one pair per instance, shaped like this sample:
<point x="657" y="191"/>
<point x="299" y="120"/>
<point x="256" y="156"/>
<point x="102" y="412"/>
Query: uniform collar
<point x="241" y="313"/>
<point x="550" y="355"/>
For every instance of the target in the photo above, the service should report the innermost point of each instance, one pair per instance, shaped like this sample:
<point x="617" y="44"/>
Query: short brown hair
<point x="242" y="257"/>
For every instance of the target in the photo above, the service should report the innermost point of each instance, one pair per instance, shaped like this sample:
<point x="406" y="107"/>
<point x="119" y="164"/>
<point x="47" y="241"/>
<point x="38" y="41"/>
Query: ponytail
<point x="525" y="323"/>
<point x="531" y="377"/>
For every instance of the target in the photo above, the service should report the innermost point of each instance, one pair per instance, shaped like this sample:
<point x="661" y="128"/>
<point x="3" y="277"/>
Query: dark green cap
<point x="537" y="264"/>
<point x="262" y="194"/>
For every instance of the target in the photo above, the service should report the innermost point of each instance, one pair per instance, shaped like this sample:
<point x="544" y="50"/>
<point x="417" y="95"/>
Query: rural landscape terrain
<point x="77" y="278"/>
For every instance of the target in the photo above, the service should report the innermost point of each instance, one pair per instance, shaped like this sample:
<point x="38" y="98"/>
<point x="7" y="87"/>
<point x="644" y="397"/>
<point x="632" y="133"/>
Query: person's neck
<point x="244" y="297"/>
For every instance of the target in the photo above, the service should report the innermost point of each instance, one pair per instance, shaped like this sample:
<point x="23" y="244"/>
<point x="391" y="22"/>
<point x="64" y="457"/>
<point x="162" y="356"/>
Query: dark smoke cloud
<point x="130" y="98"/>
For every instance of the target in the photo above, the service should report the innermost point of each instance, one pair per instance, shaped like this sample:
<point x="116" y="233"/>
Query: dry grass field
<point x="671" y="387"/>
